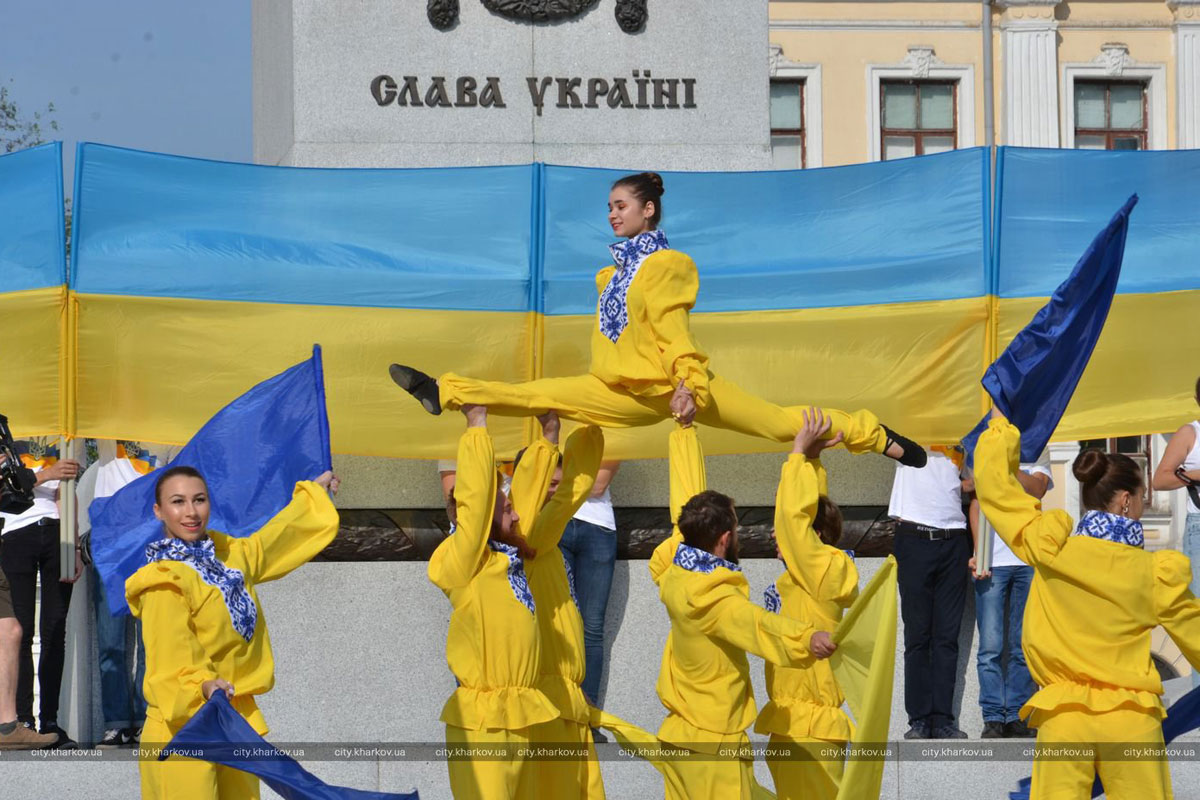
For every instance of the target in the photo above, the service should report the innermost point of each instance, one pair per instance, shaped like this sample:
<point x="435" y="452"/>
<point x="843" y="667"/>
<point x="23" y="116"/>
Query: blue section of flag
<point x="1033" y="379"/>
<point x="217" y="733"/>
<point x="31" y="219"/>
<point x="251" y="454"/>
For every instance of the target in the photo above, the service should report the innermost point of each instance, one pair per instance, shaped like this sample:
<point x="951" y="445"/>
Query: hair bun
<point x="656" y="181"/>
<point x="1090" y="466"/>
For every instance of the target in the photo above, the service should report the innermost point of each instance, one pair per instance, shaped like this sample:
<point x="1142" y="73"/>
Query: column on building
<point x="1030" y="54"/>
<point x="1187" y="72"/>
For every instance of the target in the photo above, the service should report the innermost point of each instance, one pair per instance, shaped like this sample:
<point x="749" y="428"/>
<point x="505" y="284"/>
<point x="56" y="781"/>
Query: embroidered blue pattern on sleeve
<point x="516" y="573"/>
<point x="694" y="559"/>
<point x="570" y="578"/>
<point x="628" y="257"/>
<point x="202" y="557"/>
<point x="1111" y="527"/>
<point x="771" y="599"/>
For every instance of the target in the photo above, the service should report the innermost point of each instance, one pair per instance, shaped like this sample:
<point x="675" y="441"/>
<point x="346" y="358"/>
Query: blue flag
<point x="218" y="734"/>
<point x="251" y="454"/>
<point x="1033" y="379"/>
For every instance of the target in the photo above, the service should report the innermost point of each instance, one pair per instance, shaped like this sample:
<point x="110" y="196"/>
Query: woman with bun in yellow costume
<point x="202" y="625"/>
<point x="804" y="718"/>
<point x="646" y="365"/>
<point x="1095" y="599"/>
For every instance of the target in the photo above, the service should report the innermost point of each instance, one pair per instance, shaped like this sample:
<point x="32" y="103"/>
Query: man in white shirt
<point x="932" y="548"/>
<point x="30" y="549"/>
<point x="1004" y="688"/>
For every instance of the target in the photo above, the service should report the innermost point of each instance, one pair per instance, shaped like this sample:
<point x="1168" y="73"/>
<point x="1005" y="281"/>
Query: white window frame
<point x="1113" y="65"/>
<point x="921" y="64"/>
<point x="780" y="67"/>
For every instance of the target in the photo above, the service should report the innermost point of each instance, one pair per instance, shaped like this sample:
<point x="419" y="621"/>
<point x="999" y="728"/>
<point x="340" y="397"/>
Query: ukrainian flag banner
<point x="33" y="360"/>
<point x="851" y="287"/>
<point x="195" y="278"/>
<point x="1050" y="203"/>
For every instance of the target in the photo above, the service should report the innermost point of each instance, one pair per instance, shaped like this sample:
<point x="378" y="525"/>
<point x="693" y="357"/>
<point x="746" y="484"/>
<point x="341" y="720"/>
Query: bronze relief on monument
<point x="630" y="14"/>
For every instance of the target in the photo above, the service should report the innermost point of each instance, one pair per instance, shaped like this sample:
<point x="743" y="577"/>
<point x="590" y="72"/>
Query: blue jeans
<point x="1002" y="691"/>
<point x="1191" y="549"/>
<point x="120" y="696"/>
<point x="591" y="553"/>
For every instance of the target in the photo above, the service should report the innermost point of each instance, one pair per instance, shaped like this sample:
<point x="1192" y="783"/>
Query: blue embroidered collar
<point x="202" y="557"/>
<point x="771" y="599"/>
<point x="628" y="256"/>
<point x="693" y="559"/>
<point x="1111" y="527"/>
<point x="517" y="580"/>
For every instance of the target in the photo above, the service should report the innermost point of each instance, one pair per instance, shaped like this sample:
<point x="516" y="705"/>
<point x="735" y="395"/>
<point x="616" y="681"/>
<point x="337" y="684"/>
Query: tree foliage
<point x="18" y="131"/>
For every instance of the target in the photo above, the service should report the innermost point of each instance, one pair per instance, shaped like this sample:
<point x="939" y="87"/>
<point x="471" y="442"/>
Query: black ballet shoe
<point x="913" y="456"/>
<point x="419" y="385"/>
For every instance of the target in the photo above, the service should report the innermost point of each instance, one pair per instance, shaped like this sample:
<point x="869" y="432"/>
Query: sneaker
<point x="117" y="737"/>
<point x="994" y="730"/>
<point x="61" y="740"/>
<point x="25" y="738"/>
<point x="912" y="455"/>
<point x="918" y="730"/>
<point x="419" y="385"/>
<point x="1019" y="730"/>
<point x="949" y="731"/>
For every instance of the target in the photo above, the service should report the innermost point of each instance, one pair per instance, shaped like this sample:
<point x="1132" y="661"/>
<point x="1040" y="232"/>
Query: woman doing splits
<point x="201" y="621"/>
<point x="646" y="365"/>
<point x="1096" y="598"/>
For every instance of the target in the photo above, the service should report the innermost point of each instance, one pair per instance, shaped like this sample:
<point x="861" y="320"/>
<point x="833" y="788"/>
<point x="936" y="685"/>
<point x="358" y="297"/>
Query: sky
<point x="172" y="76"/>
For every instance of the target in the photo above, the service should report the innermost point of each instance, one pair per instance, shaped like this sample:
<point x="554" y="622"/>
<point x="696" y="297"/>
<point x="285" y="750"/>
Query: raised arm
<point x="535" y="472"/>
<point x="824" y="572"/>
<point x="292" y="537"/>
<point x="1016" y="516"/>
<point x="1178" y="609"/>
<point x="688" y="479"/>
<point x="670" y="287"/>
<point x="724" y="612"/>
<point x="457" y="559"/>
<point x="581" y="460"/>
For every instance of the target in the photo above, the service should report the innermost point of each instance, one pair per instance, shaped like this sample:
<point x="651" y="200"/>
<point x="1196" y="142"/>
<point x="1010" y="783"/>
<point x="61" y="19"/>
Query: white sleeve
<point x="1040" y="467"/>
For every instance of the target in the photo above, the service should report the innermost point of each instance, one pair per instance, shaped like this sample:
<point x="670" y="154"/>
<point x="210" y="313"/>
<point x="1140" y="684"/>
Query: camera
<point x="16" y="481"/>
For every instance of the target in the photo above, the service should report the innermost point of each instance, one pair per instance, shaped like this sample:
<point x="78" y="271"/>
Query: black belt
<point x="927" y="532"/>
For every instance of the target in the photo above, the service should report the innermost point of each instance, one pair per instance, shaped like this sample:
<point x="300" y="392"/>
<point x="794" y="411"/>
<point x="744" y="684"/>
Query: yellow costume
<point x="560" y="626"/>
<point x="632" y="377"/>
<point x="492" y="645"/>
<point x="704" y="680"/>
<point x="820" y="583"/>
<point x="1091" y="609"/>
<point x="190" y="639"/>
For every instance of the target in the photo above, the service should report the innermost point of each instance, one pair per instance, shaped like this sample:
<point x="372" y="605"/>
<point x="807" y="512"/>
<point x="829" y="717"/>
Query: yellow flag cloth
<point x="864" y="665"/>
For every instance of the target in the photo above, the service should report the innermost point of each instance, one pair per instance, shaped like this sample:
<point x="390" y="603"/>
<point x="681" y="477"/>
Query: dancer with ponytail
<point x="646" y="365"/>
<point x="1096" y="597"/>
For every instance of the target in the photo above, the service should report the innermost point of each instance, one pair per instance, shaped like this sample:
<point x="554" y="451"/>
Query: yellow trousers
<point x="587" y="399"/>
<point x="186" y="778"/>
<point x="566" y="778"/>
<point x="805" y="769"/>
<point x="708" y="778"/>
<point x="1123" y="775"/>
<point x="491" y="775"/>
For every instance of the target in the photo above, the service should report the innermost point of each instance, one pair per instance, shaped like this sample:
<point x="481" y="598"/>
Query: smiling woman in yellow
<point x="202" y="624"/>
<point x="1095" y="599"/>
<point x="646" y="365"/>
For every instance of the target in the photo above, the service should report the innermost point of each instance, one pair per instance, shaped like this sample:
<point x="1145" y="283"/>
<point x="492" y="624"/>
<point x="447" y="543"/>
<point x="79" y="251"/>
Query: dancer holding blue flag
<point x="202" y="623"/>
<point x="1096" y="597"/>
<point x="646" y="364"/>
